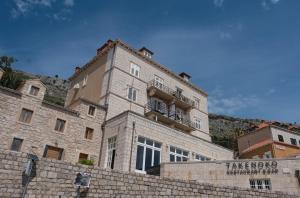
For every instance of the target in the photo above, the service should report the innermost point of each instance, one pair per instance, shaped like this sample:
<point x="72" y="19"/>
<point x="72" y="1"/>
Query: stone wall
<point x="40" y="131"/>
<point x="53" y="178"/>
<point x="238" y="172"/>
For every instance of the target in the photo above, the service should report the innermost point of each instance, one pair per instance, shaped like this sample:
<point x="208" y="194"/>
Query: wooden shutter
<point x="54" y="153"/>
<point x="83" y="156"/>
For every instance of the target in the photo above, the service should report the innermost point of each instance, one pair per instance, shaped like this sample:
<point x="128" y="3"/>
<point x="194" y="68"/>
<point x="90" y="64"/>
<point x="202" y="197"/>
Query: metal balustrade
<point x="164" y="111"/>
<point x="169" y="91"/>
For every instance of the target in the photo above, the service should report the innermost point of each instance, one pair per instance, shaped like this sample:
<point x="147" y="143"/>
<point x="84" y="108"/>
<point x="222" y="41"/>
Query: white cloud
<point x="220" y="104"/>
<point x="69" y="3"/>
<point x="62" y="15"/>
<point x="218" y="3"/>
<point x="225" y="35"/>
<point x="274" y="1"/>
<point x="271" y="91"/>
<point x="23" y="7"/>
<point x="266" y="3"/>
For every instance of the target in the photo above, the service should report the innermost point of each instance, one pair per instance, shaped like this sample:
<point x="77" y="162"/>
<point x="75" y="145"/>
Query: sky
<point x="243" y="53"/>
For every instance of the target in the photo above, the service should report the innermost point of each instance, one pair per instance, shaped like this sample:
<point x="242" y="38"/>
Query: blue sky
<point x="244" y="54"/>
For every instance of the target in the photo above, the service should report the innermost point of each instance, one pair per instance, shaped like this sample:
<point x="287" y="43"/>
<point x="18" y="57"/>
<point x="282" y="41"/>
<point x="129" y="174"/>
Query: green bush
<point x="87" y="162"/>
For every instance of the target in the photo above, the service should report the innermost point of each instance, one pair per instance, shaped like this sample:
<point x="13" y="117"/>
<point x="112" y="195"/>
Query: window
<point x="84" y="82"/>
<point x="159" y="106"/>
<point x="197" y="123"/>
<point x="88" y="133"/>
<point x="201" y="157"/>
<point x="260" y="184"/>
<point x="111" y="151"/>
<point x="293" y="141"/>
<point x="197" y="103"/>
<point x="60" y="125"/>
<point x="267" y="154"/>
<point x="26" y="115"/>
<point x="178" y="155"/>
<point x="16" y="144"/>
<point x="147" y="54"/>
<point x="158" y="82"/>
<point x="52" y="152"/>
<point x="148" y="154"/>
<point x="83" y="156"/>
<point x="280" y="138"/>
<point x="34" y="90"/>
<point x="92" y="110"/>
<point x="178" y="91"/>
<point x="132" y="94"/>
<point x="135" y="70"/>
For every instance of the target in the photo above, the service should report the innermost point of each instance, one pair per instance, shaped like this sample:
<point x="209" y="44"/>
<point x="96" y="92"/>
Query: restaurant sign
<point x="252" y="168"/>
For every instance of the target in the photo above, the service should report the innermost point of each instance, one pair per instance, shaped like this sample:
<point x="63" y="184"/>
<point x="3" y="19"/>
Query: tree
<point x="10" y="78"/>
<point x="6" y="62"/>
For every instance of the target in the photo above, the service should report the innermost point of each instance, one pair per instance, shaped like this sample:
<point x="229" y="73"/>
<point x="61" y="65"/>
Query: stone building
<point x="32" y="125"/>
<point x="153" y="115"/>
<point x="269" y="140"/>
<point x="139" y="113"/>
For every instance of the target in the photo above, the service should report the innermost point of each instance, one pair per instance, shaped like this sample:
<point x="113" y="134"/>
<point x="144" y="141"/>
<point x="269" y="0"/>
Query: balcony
<point x="165" y="93"/>
<point x="165" y="116"/>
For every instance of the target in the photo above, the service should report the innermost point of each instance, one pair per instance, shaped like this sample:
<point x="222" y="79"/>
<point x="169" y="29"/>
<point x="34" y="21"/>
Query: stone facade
<point x="55" y="179"/>
<point x="113" y="66"/>
<point x="40" y="131"/>
<point x="280" y="172"/>
<point x="128" y="126"/>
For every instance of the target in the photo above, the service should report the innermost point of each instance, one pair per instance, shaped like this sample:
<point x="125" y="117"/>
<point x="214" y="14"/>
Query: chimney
<point x="108" y="43"/>
<point x="77" y="70"/>
<point x="185" y="76"/>
<point x="146" y="52"/>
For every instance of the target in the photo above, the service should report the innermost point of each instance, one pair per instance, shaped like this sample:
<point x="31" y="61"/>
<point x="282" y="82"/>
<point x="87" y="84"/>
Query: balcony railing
<point x="169" y="117"/>
<point x="176" y="95"/>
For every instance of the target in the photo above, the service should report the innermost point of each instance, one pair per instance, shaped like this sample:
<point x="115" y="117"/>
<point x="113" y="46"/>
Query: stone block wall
<point x="40" y="131"/>
<point x="53" y="178"/>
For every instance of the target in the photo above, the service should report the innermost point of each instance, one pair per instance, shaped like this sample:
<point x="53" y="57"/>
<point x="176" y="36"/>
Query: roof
<point x="61" y="108"/>
<point x="33" y="79"/>
<point x="16" y="92"/>
<point x="147" y="50"/>
<point x="109" y="44"/>
<point x="257" y="145"/>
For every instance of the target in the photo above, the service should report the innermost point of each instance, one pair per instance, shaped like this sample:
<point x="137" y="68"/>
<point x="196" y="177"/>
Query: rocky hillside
<point x="222" y="128"/>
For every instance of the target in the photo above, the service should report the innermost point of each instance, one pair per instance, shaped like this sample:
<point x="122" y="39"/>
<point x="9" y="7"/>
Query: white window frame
<point x="199" y="157"/>
<point x="197" y="102"/>
<point x="260" y="184"/>
<point x="111" y="146"/>
<point x="135" y="69"/>
<point x="158" y="82"/>
<point x="178" y="152"/>
<point x="130" y="97"/>
<point x="84" y="81"/>
<point x="198" y="123"/>
<point x="153" y="148"/>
